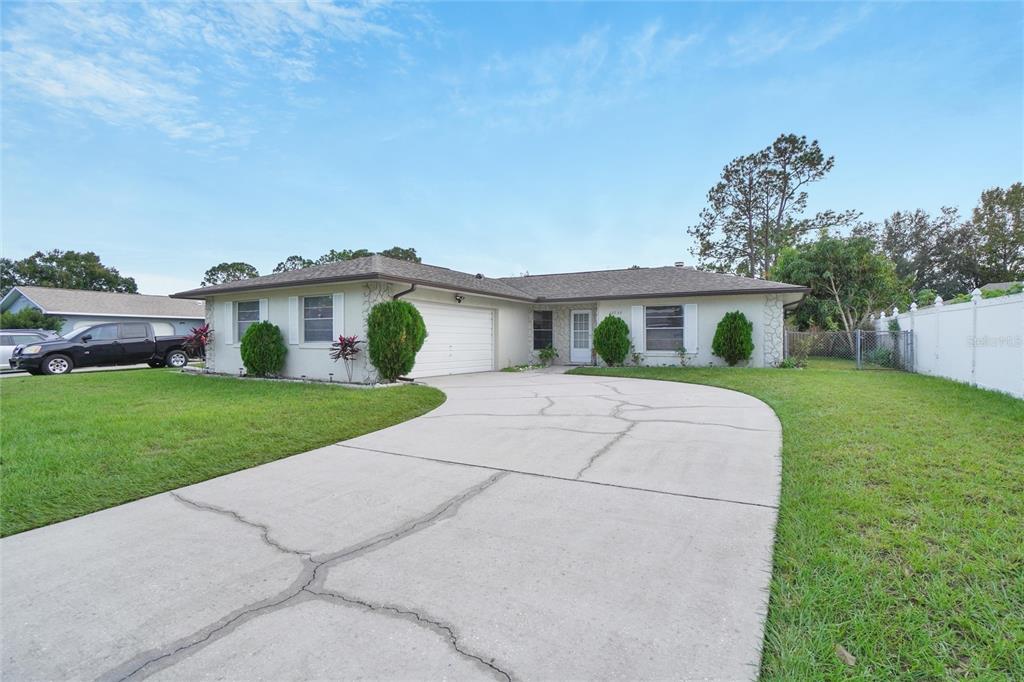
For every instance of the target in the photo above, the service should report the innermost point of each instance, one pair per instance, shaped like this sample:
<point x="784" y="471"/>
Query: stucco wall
<point x="765" y="312"/>
<point x="312" y="360"/>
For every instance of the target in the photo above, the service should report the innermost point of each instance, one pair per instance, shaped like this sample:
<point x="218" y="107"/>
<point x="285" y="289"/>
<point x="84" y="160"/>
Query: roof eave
<point x="203" y="293"/>
<point x="676" y="294"/>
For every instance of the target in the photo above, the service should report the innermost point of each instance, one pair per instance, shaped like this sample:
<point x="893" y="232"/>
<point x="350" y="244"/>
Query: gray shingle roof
<point x="83" y="302"/>
<point x="599" y="284"/>
<point x="640" y="282"/>
<point x="370" y="267"/>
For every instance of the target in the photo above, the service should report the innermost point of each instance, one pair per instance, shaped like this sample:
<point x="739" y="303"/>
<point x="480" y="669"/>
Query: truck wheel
<point x="176" y="359"/>
<point x="57" y="364"/>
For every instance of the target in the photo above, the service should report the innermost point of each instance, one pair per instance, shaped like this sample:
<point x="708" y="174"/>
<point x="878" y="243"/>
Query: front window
<point x="543" y="329"/>
<point x="247" y="312"/>
<point x="134" y="330"/>
<point x="664" y="326"/>
<point x="318" y="318"/>
<point x="105" y="332"/>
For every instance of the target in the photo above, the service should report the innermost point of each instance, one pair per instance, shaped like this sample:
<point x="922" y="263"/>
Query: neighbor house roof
<point x="998" y="286"/>
<point x="104" y="303"/>
<point x="599" y="284"/>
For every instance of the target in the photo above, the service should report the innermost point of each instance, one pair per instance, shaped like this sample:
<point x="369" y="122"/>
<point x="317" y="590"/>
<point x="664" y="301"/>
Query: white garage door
<point x="459" y="340"/>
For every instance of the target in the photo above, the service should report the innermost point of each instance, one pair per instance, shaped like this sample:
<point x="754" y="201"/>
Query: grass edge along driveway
<point x="76" y="444"/>
<point x="901" y="525"/>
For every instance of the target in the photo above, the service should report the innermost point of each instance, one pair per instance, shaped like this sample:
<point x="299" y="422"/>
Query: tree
<point x="611" y="340"/>
<point x="293" y="263"/>
<point x="402" y="254"/>
<point x="756" y="208"/>
<point x="850" y="274"/>
<point x="229" y="272"/>
<point x="998" y="223"/>
<point x="66" y="270"/>
<point x="30" y="318"/>
<point x="734" y="338"/>
<point x="333" y="256"/>
<point x="263" y="349"/>
<point x="395" y="332"/>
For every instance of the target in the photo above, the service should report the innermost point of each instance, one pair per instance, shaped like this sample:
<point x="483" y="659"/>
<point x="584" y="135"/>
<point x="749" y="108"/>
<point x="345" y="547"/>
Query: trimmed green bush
<point x="263" y="349"/>
<point x="734" y="338"/>
<point x="611" y="340"/>
<point x="395" y="333"/>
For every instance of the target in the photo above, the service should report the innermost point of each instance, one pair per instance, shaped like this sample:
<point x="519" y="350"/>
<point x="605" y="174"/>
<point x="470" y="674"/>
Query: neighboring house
<point x="998" y="286"/>
<point x="476" y="323"/>
<point x="81" y="308"/>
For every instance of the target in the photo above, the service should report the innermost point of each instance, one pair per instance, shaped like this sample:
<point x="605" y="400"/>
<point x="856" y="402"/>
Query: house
<point x="82" y="308"/>
<point x="476" y="323"/>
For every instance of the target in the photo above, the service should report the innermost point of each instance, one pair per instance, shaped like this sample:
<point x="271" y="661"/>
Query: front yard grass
<point x="75" y="444"/>
<point x="901" y="526"/>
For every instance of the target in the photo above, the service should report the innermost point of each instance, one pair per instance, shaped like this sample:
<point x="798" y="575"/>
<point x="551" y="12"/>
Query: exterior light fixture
<point x="458" y="298"/>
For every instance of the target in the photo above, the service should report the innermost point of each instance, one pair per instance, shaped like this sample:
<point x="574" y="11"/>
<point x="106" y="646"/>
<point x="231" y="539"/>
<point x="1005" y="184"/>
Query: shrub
<point x="734" y="338"/>
<point x="611" y="340"/>
<point x="346" y="348"/>
<point x="547" y="355"/>
<point x="395" y="333"/>
<point x="263" y="349"/>
<point x="30" y="318"/>
<point x="197" y="340"/>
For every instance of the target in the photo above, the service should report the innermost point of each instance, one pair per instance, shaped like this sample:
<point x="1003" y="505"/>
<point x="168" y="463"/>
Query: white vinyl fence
<point x="980" y="342"/>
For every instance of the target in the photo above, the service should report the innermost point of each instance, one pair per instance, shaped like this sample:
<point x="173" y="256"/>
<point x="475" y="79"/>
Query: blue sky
<point x="494" y="138"/>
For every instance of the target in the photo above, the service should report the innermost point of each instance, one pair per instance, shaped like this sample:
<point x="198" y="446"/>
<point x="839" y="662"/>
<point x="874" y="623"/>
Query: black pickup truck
<point x="114" y="343"/>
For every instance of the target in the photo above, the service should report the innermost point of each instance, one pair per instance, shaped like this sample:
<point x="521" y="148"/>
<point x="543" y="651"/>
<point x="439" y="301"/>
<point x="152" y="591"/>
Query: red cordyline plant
<point x="196" y="340"/>
<point x="346" y="348"/>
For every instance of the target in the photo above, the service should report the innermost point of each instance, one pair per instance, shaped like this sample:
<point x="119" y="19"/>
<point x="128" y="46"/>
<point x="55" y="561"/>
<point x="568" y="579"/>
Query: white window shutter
<point x="339" y="314"/>
<point x="227" y="322"/>
<point x="690" y="327"/>
<point x="636" y="327"/>
<point x="293" y="320"/>
<point x="264" y="309"/>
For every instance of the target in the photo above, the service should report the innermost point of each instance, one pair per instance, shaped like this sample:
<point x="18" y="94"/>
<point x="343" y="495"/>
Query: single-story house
<point x="82" y="308"/>
<point x="477" y="323"/>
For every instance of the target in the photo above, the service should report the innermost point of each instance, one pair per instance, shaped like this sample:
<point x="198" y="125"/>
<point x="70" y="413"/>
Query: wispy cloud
<point x="561" y="81"/>
<point x="150" y="64"/>
<point x="765" y="38"/>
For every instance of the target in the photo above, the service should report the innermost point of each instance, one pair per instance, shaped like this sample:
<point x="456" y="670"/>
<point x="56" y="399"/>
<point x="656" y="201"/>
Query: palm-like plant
<point x="346" y="348"/>
<point x="196" y="340"/>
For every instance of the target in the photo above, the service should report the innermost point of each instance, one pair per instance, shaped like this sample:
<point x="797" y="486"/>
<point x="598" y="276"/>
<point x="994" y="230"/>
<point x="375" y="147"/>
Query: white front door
<point x="580" y="342"/>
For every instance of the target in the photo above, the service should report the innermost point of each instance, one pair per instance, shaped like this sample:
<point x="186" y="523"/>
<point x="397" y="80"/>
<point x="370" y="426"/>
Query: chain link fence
<point x="865" y="349"/>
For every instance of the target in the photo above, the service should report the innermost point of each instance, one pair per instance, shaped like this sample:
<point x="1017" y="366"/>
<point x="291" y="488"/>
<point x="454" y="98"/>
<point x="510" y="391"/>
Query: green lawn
<point x="74" y="444"/>
<point x="901" y="527"/>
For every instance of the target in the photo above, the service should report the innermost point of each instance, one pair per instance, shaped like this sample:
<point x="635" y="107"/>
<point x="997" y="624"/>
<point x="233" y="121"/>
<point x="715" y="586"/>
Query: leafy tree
<point x="263" y="349"/>
<point x="734" y="338"/>
<point x="850" y="274"/>
<point x="611" y="340"/>
<point x="334" y="256"/>
<point x="756" y="208"/>
<point x="30" y="318"/>
<point x="64" y="269"/>
<point x="998" y="224"/>
<point x="229" y="272"/>
<point x="402" y="254"/>
<point x="395" y="332"/>
<point x="293" y="263"/>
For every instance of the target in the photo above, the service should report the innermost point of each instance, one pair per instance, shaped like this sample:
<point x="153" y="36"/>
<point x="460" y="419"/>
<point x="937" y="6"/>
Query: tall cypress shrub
<point x="263" y="349"/>
<point x="734" y="338"/>
<point x="395" y="332"/>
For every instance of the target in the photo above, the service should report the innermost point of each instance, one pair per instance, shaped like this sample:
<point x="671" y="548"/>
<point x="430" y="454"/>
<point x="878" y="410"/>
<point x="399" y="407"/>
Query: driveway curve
<point x="535" y="526"/>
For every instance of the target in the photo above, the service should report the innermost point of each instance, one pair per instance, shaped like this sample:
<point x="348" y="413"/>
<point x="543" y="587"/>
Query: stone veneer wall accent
<point x="373" y="293"/>
<point x="560" y="321"/>
<point x="772" y="330"/>
<point x="210" y="365"/>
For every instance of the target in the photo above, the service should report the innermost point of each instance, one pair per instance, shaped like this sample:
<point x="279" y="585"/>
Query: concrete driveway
<point x="535" y="526"/>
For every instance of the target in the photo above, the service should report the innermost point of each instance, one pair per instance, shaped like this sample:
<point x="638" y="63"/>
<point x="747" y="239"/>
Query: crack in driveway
<point x="418" y="618"/>
<point x="309" y="581"/>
